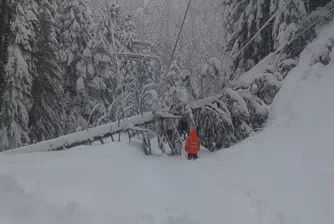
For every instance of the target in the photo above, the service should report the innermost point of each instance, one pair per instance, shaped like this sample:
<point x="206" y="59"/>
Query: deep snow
<point x="285" y="174"/>
<point x="118" y="185"/>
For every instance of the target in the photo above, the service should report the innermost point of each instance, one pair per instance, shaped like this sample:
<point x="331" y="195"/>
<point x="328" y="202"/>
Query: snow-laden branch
<point x="298" y="35"/>
<point x="262" y="28"/>
<point x="307" y="28"/>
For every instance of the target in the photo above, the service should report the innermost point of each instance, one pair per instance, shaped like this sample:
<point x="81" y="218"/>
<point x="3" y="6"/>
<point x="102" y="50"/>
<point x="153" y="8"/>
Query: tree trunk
<point x="129" y="135"/>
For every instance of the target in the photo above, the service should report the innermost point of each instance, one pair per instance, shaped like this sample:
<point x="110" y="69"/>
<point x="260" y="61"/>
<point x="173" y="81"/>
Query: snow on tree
<point x="210" y="77"/>
<point x="226" y="118"/>
<point x="5" y="17"/>
<point x="132" y="87"/>
<point x="211" y="68"/>
<point x="285" y="67"/>
<point x="76" y="22"/>
<point x="106" y="43"/>
<point x="128" y="33"/>
<point x="17" y="97"/>
<point x="148" y="97"/>
<point x="317" y="12"/>
<point x="212" y="120"/>
<point x="125" y="76"/>
<point x="242" y="19"/>
<point x="46" y="119"/>
<point x="239" y="114"/>
<point x="100" y="81"/>
<point x="175" y="96"/>
<point x="171" y="80"/>
<point x="139" y="84"/>
<point x="258" y="110"/>
<point x="237" y="106"/>
<point x="268" y="86"/>
<point x="178" y="101"/>
<point x="289" y="22"/>
<point x="75" y="37"/>
<point x="103" y="64"/>
<point x="190" y="83"/>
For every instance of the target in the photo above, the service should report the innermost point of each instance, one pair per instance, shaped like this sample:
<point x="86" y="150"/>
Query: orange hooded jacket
<point x="193" y="143"/>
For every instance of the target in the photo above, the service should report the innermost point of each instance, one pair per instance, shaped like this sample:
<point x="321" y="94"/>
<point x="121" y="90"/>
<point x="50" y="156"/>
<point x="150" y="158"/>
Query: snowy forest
<point x="70" y="65"/>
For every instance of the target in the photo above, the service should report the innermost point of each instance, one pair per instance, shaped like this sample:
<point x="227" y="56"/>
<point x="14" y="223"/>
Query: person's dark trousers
<point x="192" y="156"/>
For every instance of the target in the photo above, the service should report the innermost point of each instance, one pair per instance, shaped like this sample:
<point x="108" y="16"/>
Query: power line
<point x="285" y="45"/>
<point x="250" y="41"/>
<point x="260" y="30"/>
<point x="174" y="49"/>
<point x="307" y="28"/>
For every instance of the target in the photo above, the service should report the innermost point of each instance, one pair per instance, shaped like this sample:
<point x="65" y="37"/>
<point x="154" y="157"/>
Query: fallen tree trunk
<point x="85" y="137"/>
<point x="93" y="134"/>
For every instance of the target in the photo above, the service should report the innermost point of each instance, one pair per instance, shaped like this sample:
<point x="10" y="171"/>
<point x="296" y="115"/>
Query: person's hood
<point x="193" y="133"/>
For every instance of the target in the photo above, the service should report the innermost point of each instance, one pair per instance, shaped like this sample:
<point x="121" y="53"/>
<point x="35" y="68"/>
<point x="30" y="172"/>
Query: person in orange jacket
<point x="192" y="146"/>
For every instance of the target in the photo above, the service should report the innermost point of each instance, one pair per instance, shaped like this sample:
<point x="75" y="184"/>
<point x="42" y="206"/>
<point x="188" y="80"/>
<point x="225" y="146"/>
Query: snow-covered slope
<point x="285" y="174"/>
<point x="288" y="169"/>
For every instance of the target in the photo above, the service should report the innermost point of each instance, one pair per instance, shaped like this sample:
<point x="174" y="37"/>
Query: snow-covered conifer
<point x="242" y="20"/>
<point x="75" y="38"/>
<point x="128" y="33"/>
<point x="289" y="22"/>
<point x="5" y="16"/>
<point x="47" y="115"/>
<point x="17" y="97"/>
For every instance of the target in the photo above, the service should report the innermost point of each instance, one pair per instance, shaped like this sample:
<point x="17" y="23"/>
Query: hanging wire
<point x="173" y="53"/>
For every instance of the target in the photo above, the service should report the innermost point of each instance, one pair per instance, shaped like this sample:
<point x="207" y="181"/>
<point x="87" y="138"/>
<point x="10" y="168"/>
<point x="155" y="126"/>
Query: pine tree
<point x="17" y="97"/>
<point x="140" y="85"/>
<point x="106" y="41"/>
<point x="104" y="62"/>
<point x="75" y="38"/>
<point x="128" y="32"/>
<point x="5" y="18"/>
<point x="173" y="79"/>
<point x="137" y="72"/>
<point x="210" y="74"/>
<point x="190" y="83"/>
<point x="47" y="114"/>
<point x="132" y="88"/>
<point x="76" y="22"/>
<point x="243" y="18"/>
<point x="288" y="22"/>
<point x="126" y="76"/>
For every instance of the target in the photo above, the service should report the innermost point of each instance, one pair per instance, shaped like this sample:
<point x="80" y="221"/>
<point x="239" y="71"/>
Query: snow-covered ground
<point x="116" y="184"/>
<point x="285" y="174"/>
